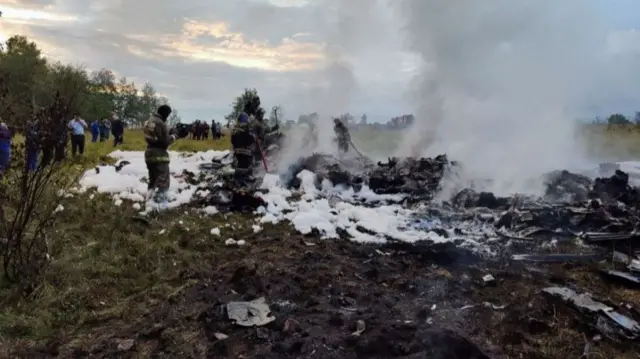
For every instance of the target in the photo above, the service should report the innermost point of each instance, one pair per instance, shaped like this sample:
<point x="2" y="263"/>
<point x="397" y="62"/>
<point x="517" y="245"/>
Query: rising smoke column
<point x="499" y="83"/>
<point x="346" y="28"/>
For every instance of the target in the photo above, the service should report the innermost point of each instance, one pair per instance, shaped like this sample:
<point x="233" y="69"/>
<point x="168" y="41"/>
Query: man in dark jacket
<point x="117" y="129"/>
<point x="243" y="142"/>
<point x="158" y="137"/>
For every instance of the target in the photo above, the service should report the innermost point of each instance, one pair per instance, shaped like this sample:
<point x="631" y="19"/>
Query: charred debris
<point x="578" y="221"/>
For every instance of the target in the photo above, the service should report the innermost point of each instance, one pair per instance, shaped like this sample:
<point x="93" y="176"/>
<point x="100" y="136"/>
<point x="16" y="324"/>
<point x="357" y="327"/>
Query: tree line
<point x="619" y="119"/>
<point x="32" y="82"/>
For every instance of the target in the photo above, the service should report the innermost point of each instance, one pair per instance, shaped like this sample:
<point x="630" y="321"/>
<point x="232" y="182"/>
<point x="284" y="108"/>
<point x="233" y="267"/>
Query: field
<point x="120" y="288"/>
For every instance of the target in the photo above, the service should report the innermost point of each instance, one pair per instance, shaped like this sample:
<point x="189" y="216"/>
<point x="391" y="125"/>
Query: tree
<point x="636" y="118"/>
<point x="24" y="70"/>
<point x="248" y="102"/>
<point x="618" y="119"/>
<point x="33" y="82"/>
<point x="363" y="119"/>
<point x="174" y="118"/>
<point x="29" y="197"/>
<point x="103" y="92"/>
<point x="126" y="103"/>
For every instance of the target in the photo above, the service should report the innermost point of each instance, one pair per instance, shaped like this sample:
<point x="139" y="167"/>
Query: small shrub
<point x="29" y="196"/>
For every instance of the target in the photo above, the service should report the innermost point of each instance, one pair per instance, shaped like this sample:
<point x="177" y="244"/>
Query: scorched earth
<point x="337" y="263"/>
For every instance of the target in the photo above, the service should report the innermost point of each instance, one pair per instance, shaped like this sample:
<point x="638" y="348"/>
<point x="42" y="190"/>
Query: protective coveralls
<point x="343" y="138"/>
<point x="243" y="142"/>
<point x="156" y="156"/>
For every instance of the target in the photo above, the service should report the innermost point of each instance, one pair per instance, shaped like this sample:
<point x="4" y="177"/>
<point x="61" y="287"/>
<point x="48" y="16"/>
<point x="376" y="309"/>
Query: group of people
<point x="102" y="129"/>
<point x="51" y="143"/>
<point x="247" y="138"/>
<point x="199" y="130"/>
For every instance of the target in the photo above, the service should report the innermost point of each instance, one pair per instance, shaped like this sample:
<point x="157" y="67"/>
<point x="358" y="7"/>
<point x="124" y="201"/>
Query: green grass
<point x="107" y="268"/>
<point x="104" y="264"/>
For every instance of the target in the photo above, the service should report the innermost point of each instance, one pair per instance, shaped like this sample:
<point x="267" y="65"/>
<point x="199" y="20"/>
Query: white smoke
<point x="330" y="90"/>
<point x="500" y="83"/>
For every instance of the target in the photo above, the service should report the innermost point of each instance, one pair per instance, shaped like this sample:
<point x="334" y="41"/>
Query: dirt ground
<point x="413" y="301"/>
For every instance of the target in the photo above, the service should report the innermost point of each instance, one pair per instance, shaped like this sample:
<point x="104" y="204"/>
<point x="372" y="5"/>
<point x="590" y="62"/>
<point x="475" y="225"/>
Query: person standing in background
<point x="95" y="130"/>
<point x="5" y="147"/>
<point x="77" y="126"/>
<point x="107" y="128"/>
<point x="117" y="129"/>
<point x="102" y="129"/>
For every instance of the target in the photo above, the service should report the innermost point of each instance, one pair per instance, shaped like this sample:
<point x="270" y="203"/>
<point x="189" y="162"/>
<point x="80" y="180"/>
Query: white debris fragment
<point x="230" y="242"/>
<point x="220" y="336"/>
<point x="488" y="278"/>
<point x="215" y="231"/>
<point x="137" y="206"/>
<point x="256" y="228"/>
<point x="162" y="231"/>
<point x="59" y="208"/>
<point x="210" y="210"/>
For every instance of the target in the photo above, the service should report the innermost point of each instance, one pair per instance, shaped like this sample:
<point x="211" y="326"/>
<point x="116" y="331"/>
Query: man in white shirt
<point x="77" y="127"/>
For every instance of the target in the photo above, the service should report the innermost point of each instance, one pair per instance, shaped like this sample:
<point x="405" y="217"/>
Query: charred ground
<point x="124" y="289"/>
<point x="414" y="301"/>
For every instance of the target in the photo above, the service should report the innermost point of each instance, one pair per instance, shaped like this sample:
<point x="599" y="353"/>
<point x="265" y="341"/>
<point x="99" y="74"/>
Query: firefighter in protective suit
<point x="243" y="142"/>
<point x="156" y="157"/>
<point x="343" y="138"/>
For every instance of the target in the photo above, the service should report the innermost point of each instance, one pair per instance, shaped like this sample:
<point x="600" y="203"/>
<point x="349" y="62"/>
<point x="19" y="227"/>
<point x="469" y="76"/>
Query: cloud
<point x="322" y="55"/>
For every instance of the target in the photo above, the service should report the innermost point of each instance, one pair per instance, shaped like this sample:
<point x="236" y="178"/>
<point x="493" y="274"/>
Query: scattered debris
<point x="608" y="321"/>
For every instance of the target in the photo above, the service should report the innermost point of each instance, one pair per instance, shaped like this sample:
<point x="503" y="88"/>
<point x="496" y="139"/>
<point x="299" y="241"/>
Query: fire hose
<point x="355" y="148"/>
<point x="264" y="159"/>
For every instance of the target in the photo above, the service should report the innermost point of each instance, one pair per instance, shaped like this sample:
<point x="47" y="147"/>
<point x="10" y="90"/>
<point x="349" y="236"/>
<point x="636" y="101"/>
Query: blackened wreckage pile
<point x="604" y="213"/>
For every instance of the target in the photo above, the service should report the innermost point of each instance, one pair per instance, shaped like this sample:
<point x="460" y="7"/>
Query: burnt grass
<point x="413" y="299"/>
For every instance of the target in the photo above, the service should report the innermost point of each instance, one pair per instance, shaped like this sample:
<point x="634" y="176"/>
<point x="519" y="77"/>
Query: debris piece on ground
<point x="627" y="278"/>
<point x="249" y="314"/>
<point x="360" y="327"/>
<point x="220" y="336"/>
<point x="125" y="344"/>
<point x="558" y="258"/>
<point x="608" y="321"/>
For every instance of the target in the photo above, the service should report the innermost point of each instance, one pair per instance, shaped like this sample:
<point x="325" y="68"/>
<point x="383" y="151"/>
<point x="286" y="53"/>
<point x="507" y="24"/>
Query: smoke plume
<point x="347" y="28"/>
<point x="500" y="84"/>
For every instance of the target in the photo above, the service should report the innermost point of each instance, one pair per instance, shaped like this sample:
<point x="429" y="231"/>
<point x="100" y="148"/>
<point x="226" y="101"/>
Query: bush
<point x="29" y="196"/>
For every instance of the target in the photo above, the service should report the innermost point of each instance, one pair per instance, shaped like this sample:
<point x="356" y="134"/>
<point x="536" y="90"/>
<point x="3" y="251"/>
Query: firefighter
<point x="156" y="157"/>
<point x="343" y="138"/>
<point x="243" y="142"/>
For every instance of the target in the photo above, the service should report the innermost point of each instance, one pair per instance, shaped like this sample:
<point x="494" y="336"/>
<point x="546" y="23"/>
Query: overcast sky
<point x="331" y="55"/>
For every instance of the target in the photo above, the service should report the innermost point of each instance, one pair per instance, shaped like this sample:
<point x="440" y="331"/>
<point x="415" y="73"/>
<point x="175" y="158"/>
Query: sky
<point x="330" y="56"/>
